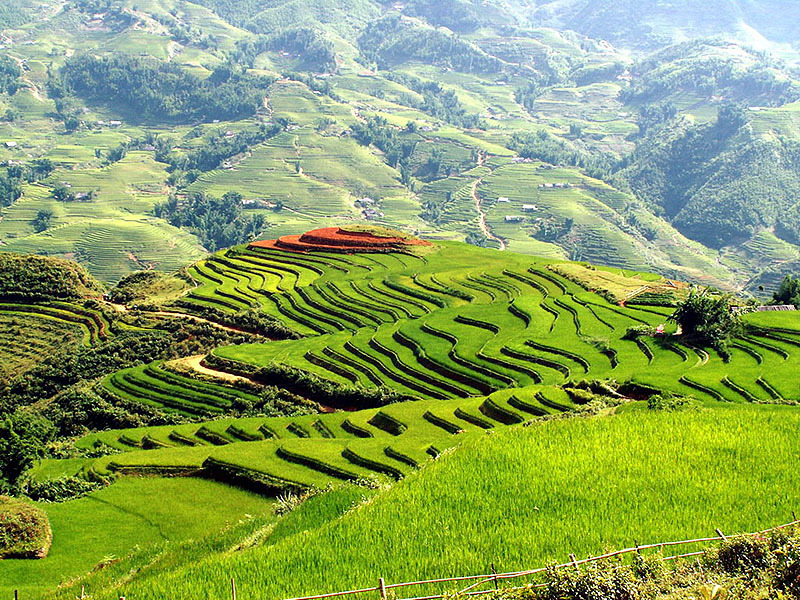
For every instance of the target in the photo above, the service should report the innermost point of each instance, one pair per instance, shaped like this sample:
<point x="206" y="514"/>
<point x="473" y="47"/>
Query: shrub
<point x="745" y="555"/>
<point x="23" y="439"/>
<point x="637" y="331"/>
<point x="24" y="530"/>
<point x="60" y="490"/>
<point x="669" y="402"/>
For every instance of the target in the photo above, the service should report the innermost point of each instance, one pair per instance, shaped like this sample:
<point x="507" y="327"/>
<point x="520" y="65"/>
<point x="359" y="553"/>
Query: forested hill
<point x="139" y="135"/>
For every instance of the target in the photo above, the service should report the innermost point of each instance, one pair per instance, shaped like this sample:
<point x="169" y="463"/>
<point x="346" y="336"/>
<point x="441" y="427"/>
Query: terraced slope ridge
<point x="392" y="352"/>
<point x="347" y="241"/>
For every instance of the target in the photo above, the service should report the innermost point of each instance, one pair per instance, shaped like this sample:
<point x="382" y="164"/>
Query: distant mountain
<point x="650" y="24"/>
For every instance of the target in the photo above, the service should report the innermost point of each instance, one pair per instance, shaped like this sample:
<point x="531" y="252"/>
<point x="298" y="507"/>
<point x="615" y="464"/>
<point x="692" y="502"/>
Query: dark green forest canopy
<point x="161" y="90"/>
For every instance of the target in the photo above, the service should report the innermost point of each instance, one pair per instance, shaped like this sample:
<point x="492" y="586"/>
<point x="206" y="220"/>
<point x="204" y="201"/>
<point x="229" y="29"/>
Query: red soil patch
<point x="334" y="239"/>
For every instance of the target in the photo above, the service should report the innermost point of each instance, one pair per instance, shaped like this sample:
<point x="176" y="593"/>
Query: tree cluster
<point x="155" y="89"/>
<point x="395" y="39"/>
<point x="437" y="101"/>
<point x="788" y="292"/>
<point x="708" y="319"/>
<point x="218" y="222"/>
<point x="31" y="278"/>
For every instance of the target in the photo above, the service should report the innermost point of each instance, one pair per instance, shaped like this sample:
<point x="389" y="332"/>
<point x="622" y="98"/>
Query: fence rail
<point x="496" y="578"/>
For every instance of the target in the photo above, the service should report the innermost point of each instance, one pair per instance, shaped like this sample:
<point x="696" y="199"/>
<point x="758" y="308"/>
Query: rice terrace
<point x="432" y="299"/>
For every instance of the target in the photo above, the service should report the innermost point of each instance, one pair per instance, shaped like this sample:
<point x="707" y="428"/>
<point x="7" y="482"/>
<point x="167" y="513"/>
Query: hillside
<point x="419" y="119"/>
<point x="388" y="352"/>
<point x="304" y="295"/>
<point x="659" y="23"/>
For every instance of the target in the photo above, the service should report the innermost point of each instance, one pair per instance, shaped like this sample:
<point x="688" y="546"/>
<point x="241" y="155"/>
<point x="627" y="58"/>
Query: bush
<point x="24" y="530"/>
<point x="745" y="555"/>
<point x="669" y="402"/>
<point x="23" y="440"/>
<point x="308" y="385"/>
<point x="60" y="490"/>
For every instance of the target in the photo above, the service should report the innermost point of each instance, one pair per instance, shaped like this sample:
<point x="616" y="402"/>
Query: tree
<point x="708" y="319"/>
<point x="788" y="292"/>
<point x="42" y="220"/>
<point x="63" y="194"/>
<point x="23" y="440"/>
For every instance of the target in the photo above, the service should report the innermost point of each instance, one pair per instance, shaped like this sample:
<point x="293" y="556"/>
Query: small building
<point x="514" y="218"/>
<point x="504" y="200"/>
<point x="11" y="144"/>
<point x="115" y="123"/>
<point x="529" y="208"/>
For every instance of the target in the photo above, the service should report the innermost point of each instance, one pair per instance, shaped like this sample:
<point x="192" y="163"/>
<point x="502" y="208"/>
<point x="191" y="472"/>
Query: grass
<point x="729" y="468"/>
<point x="108" y="524"/>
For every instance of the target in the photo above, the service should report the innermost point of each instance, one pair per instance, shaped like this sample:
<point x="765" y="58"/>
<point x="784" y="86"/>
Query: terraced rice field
<point x="480" y="339"/>
<point x="298" y="452"/>
<point x="31" y="332"/>
<point x="419" y="325"/>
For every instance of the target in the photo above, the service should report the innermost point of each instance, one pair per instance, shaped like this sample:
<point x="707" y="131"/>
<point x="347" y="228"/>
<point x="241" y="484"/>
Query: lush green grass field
<point x="528" y="495"/>
<point x="134" y="513"/>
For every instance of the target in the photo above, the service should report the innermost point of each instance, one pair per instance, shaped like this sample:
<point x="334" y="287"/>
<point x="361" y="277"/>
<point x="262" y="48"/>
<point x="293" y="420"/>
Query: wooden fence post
<point x="233" y="588"/>
<point x="16" y="594"/>
<point x="494" y="572"/>
<point x="382" y="588"/>
<point x="574" y="562"/>
<point x="722" y="535"/>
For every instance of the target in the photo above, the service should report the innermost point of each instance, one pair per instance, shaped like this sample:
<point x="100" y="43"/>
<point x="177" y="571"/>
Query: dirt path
<point x="196" y="363"/>
<point x="487" y="232"/>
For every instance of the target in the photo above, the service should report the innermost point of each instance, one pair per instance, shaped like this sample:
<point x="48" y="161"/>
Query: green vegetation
<point x="217" y="222"/>
<point x="24" y="437"/>
<point x="747" y="568"/>
<point x="788" y="292"/>
<point x="185" y="418"/>
<point x="161" y="90"/>
<point x="32" y="278"/>
<point x="711" y="320"/>
<point x="410" y="117"/>
<point x="426" y="353"/>
<point x="726" y="464"/>
<point x="24" y="530"/>
<point x="101" y="530"/>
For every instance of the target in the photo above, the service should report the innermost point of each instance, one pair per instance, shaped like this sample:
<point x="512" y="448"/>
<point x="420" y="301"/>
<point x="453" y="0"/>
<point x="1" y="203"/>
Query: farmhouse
<point x="529" y="207"/>
<point x="514" y="218"/>
<point x="503" y="199"/>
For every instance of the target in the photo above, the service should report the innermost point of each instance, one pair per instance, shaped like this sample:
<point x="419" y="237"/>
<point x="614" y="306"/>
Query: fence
<point x="478" y="581"/>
